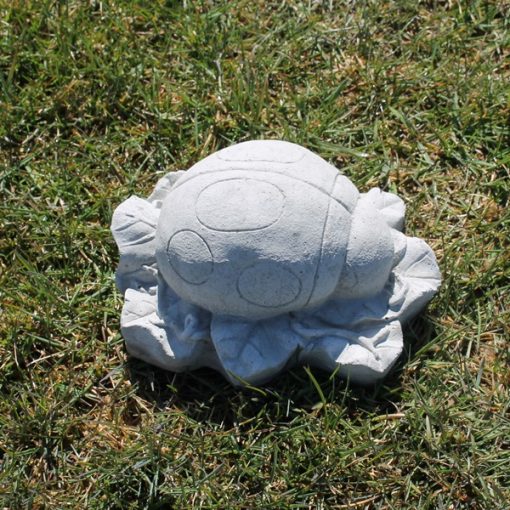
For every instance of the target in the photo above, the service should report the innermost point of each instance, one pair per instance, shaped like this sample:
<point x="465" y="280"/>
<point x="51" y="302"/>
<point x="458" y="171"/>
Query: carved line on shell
<point x="317" y="269"/>
<point x="287" y="270"/>
<point x="238" y="229"/>
<point x="183" y="181"/>
<point x="169" y="258"/>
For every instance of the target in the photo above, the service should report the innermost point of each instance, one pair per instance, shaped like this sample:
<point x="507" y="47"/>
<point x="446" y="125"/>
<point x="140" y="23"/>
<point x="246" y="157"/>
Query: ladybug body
<point x="267" y="227"/>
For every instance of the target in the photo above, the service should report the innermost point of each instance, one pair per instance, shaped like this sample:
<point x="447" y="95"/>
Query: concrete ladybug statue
<point x="262" y="256"/>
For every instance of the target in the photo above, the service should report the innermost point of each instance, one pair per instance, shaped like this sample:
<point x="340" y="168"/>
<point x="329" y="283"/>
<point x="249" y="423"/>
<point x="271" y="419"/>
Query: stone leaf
<point x="416" y="278"/>
<point x="163" y="187"/>
<point x="134" y="227"/>
<point x="253" y="351"/>
<point x="362" y="356"/>
<point x="389" y="205"/>
<point x="348" y="314"/>
<point x="187" y="321"/>
<point x="148" y="338"/>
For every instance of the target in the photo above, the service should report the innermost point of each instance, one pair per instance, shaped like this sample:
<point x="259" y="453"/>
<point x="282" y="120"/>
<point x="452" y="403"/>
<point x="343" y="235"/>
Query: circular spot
<point x="237" y="205"/>
<point x="190" y="257"/>
<point x="269" y="285"/>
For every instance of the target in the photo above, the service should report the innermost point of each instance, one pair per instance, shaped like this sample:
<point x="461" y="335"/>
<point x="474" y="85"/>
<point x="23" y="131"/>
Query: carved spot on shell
<point x="268" y="284"/>
<point x="190" y="257"/>
<point x="239" y="205"/>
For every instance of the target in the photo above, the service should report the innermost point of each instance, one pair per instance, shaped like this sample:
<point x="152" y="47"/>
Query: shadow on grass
<point x="205" y="396"/>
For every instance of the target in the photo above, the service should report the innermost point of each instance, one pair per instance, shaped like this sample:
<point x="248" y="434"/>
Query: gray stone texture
<point x="262" y="256"/>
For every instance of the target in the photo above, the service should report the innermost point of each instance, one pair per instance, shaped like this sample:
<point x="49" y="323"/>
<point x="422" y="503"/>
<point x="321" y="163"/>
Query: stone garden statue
<point x="263" y="256"/>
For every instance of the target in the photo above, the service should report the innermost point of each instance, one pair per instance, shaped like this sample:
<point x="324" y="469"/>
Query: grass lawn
<point x="101" y="98"/>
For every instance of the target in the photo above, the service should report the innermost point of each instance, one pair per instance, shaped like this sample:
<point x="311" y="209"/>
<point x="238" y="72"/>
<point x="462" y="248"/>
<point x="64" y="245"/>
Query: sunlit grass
<point x="99" y="99"/>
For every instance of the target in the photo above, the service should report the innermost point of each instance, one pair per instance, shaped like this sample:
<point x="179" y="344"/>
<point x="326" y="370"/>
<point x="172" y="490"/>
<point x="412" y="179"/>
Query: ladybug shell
<point x="256" y="230"/>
